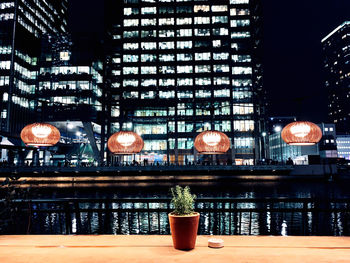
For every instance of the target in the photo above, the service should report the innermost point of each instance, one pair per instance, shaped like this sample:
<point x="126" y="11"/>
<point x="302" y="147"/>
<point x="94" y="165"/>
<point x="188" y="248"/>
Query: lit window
<point x="239" y="12"/>
<point x="166" y="33"/>
<point x="221" y="68"/>
<point x="203" y="81"/>
<point x="203" y="93"/>
<point x="241" y="58"/>
<point x="166" y="45"/>
<point x="217" y="43"/>
<point x="185" y="143"/>
<point x="222" y="108"/>
<point x="184" y="69"/>
<point x="221" y="81"/>
<point x="201" y="32"/>
<point x="167" y="69"/>
<point x="148" y="70"/>
<point x="241" y="82"/>
<point x="166" y="94"/>
<point x="233" y="2"/>
<point x="240" y="34"/>
<point x="130" y="34"/>
<point x="149" y="45"/>
<point x="240" y="23"/>
<point x="130" y="58"/>
<point x="148" y="22"/>
<point x="244" y="143"/>
<point x="148" y="33"/>
<point x="184" y="82"/>
<point x="130" y="95"/>
<point x="130" y="82"/>
<point x="219" y="19"/>
<point x="130" y="70"/>
<point x="201" y="8"/>
<point x="220" y="31"/>
<point x="219" y="8"/>
<point x="131" y="11"/>
<point x="149" y="10"/>
<point x="221" y="93"/>
<point x="148" y="95"/>
<point x="202" y="69"/>
<point x="166" y="57"/>
<point x="148" y="58"/>
<point x="224" y="126"/>
<point x="130" y="46"/>
<point x="166" y="10"/>
<point x="241" y="70"/>
<point x="166" y="21"/>
<point x="148" y="82"/>
<point x="166" y="82"/>
<point x="185" y="94"/>
<point x="131" y="22"/>
<point x="243" y="109"/>
<point x="184" y="21"/>
<point x="184" y="32"/>
<point x="202" y="20"/>
<point x="221" y="56"/>
<point x="183" y="9"/>
<point x="64" y="55"/>
<point x="184" y="44"/>
<point x="184" y="57"/>
<point x="243" y="126"/>
<point x="202" y="56"/>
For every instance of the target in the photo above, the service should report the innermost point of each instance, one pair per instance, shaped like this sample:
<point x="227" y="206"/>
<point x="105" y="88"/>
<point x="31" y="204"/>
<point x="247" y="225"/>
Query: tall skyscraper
<point x="22" y="23"/>
<point x="69" y="95"/>
<point x="336" y="49"/>
<point x="181" y="67"/>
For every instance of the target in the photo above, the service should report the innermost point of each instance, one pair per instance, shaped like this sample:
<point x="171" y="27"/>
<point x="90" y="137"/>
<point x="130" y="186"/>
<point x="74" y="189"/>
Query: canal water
<point x="230" y="208"/>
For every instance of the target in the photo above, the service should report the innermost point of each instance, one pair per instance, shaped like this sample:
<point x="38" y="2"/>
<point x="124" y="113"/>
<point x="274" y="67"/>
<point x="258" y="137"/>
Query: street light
<point x="278" y="130"/>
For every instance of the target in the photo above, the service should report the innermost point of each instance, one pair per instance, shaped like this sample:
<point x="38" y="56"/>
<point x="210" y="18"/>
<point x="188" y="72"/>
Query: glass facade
<point x="336" y="51"/>
<point x="185" y="67"/>
<point x="22" y="23"/>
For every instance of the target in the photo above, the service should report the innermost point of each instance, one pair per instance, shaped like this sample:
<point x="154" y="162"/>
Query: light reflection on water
<point x="211" y="223"/>
<point x="217" y="222"/>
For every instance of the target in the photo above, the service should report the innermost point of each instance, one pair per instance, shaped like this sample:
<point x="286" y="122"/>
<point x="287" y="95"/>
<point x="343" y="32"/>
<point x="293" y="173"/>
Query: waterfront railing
<point x="219" y="216"/>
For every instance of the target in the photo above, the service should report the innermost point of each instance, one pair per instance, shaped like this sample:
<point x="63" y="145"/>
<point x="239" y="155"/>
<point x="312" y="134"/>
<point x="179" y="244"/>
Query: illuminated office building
<point x="69" y="94"/>
<point x="336" y="50"/>
<point x="183" y="67"/>
<point x="22" y="23"/>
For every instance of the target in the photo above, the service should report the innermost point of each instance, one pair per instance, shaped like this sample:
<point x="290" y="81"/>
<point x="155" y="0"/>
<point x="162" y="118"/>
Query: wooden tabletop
<point x="141" y="248"/>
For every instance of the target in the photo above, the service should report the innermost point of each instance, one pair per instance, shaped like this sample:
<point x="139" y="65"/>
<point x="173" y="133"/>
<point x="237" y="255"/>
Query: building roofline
<point x="335" y="30"/>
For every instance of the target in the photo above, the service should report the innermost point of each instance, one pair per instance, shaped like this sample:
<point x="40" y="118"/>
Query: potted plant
<point x="183" y="220"/>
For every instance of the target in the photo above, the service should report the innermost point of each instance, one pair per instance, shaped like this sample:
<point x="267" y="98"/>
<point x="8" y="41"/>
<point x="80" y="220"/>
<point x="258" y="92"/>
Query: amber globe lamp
<point x="40" y="134"/>
<point x="301" y="133"/>
<point x="212" y="142"/>
<point x="125" y="142"/>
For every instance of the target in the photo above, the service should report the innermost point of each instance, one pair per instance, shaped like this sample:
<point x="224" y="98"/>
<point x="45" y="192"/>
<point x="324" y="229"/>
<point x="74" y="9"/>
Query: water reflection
<point x="217" y="218"/>
<point x="318" y="215"/>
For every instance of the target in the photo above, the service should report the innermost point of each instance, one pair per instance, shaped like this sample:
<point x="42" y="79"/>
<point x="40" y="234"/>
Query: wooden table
<point x="108" y="249"/>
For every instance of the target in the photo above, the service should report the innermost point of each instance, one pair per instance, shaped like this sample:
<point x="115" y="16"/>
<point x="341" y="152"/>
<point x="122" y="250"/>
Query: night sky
<point x="292" y="49"/>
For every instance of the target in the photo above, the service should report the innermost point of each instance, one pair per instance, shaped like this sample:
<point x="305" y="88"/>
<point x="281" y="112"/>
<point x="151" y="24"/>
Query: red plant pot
<point x="184" y="230"/>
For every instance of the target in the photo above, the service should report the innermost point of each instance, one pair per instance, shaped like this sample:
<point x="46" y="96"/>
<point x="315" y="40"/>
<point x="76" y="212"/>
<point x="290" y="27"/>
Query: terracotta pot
<point x="184" y="230"/>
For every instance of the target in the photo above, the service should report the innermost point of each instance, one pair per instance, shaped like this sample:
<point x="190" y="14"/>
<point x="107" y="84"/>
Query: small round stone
<point x="215" y="243"/>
